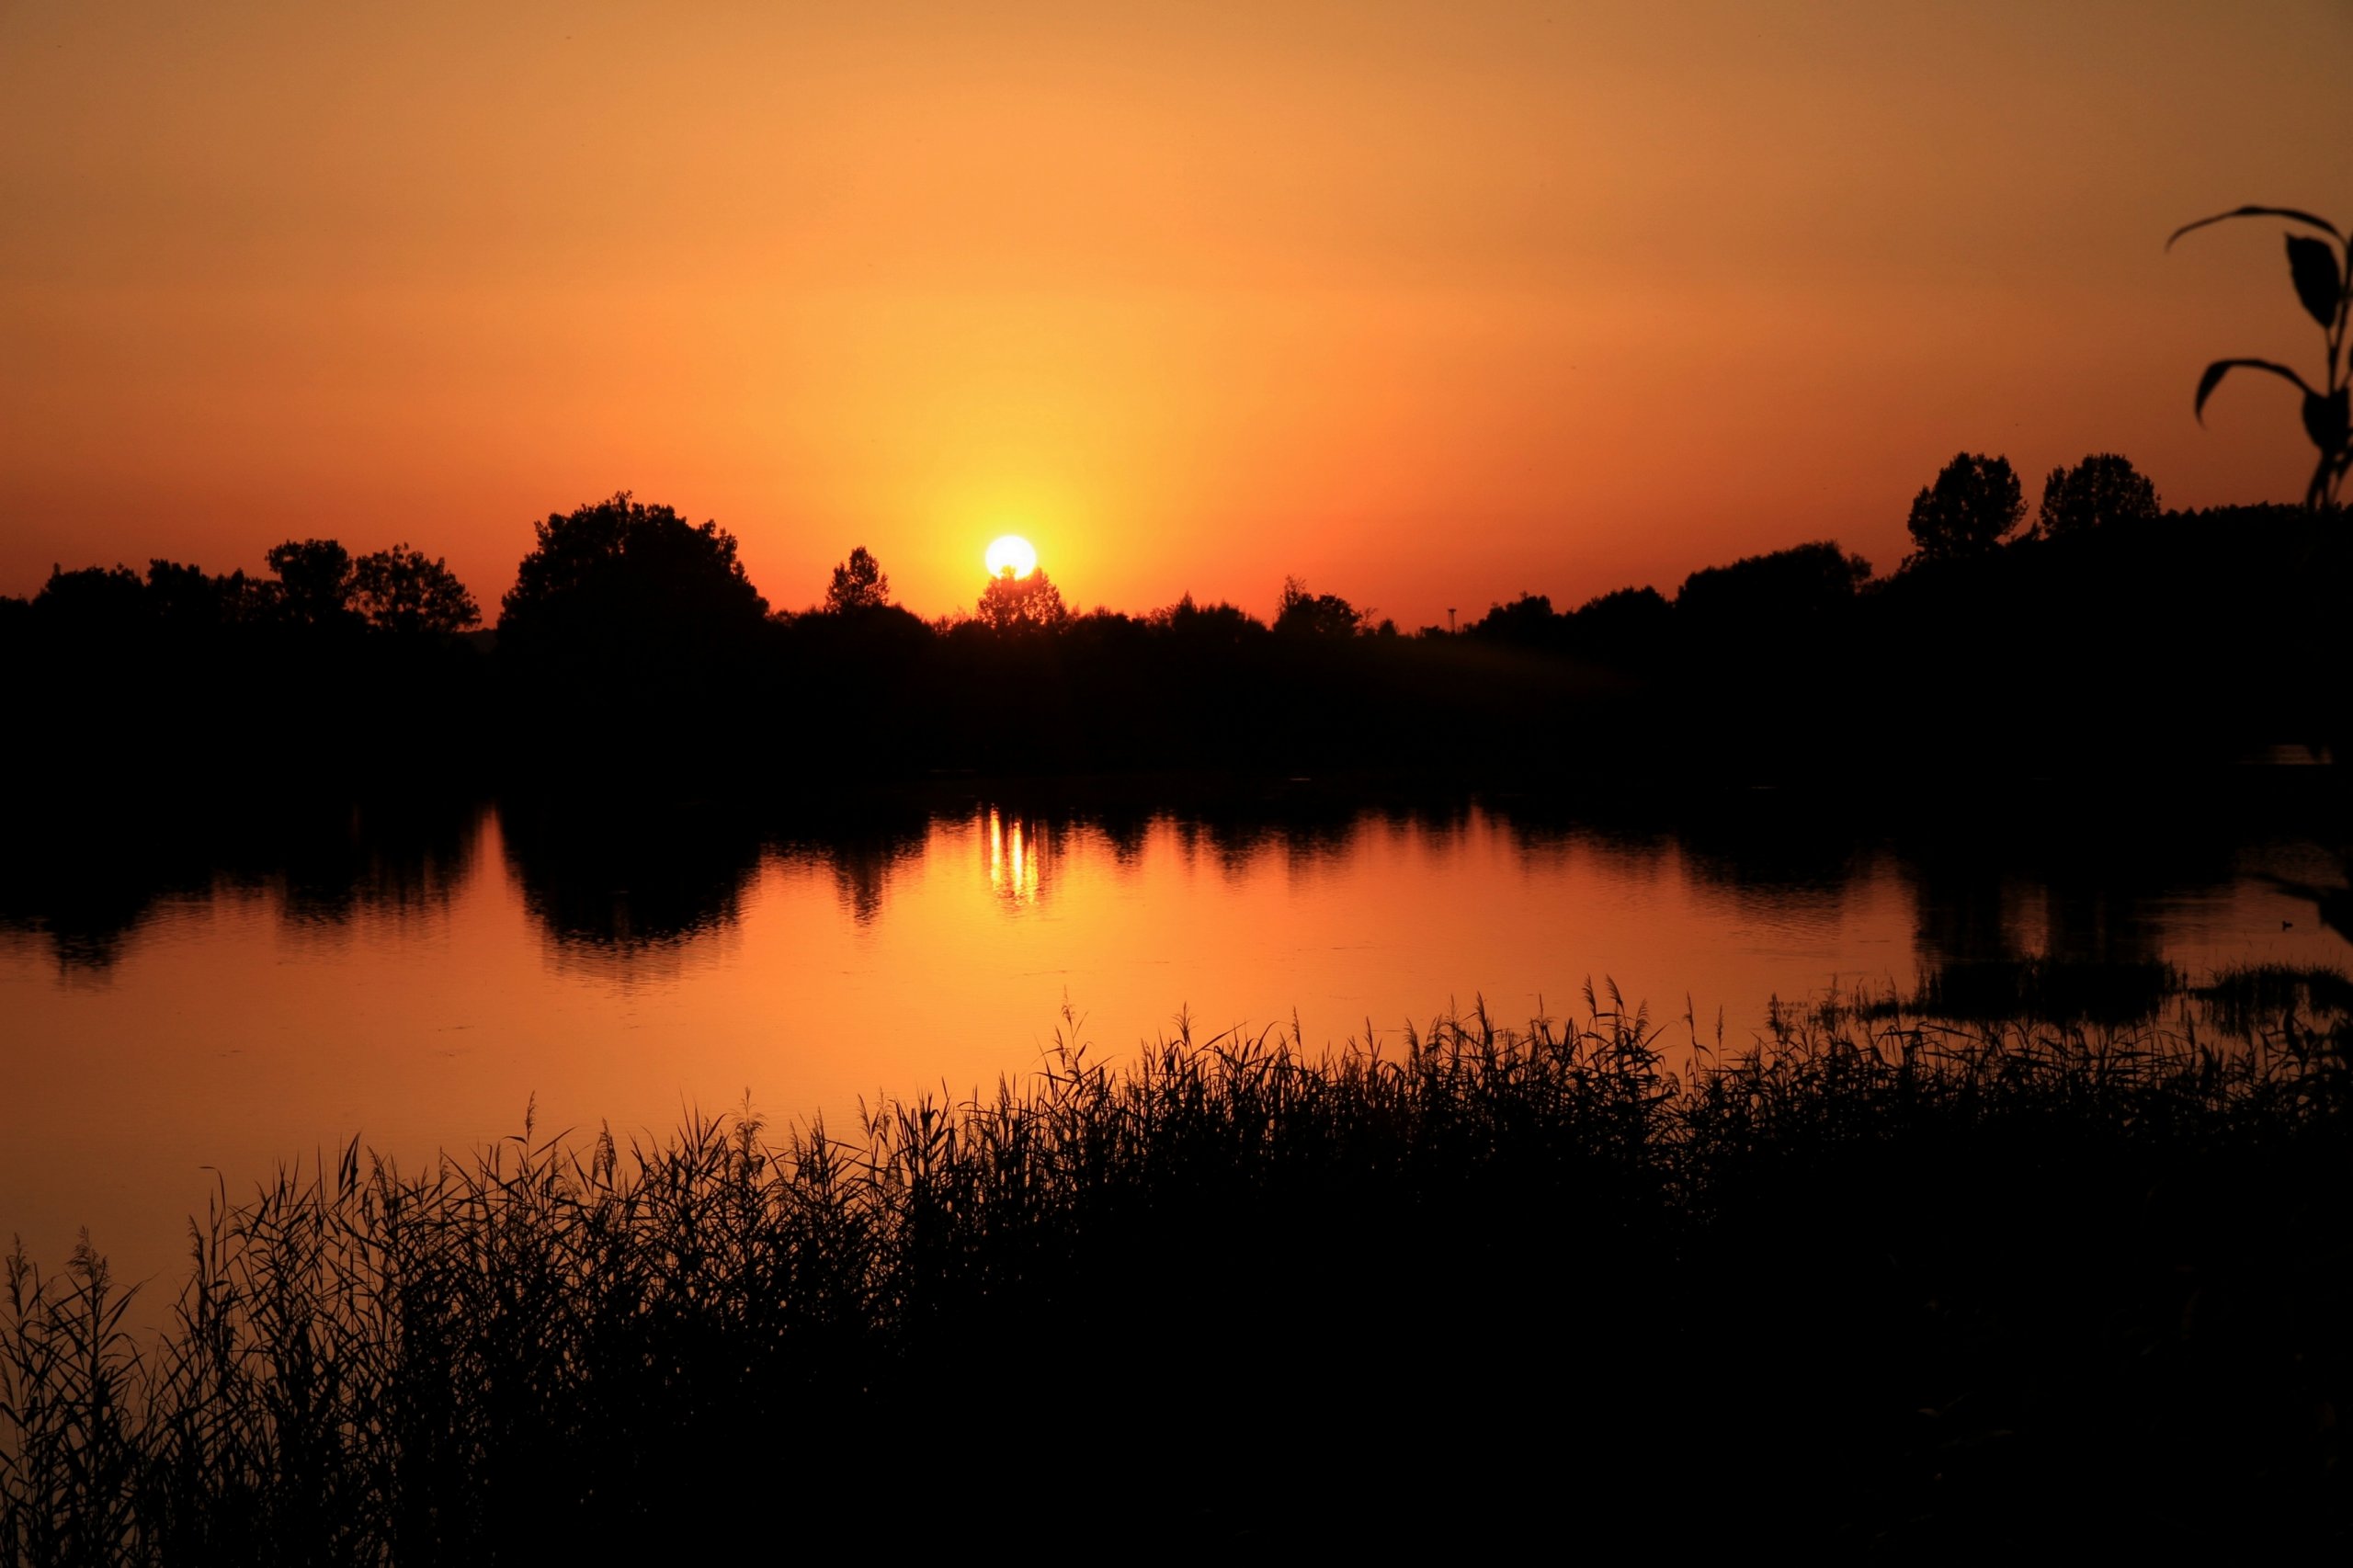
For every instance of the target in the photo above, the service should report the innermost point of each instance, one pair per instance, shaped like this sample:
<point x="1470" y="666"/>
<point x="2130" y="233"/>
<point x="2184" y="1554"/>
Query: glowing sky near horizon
<point x="1431" y="305"/>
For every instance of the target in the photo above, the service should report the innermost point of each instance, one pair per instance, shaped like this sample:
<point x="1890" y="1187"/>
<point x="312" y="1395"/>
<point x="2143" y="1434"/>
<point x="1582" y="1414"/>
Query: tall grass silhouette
<point x="1875" y="1278"/>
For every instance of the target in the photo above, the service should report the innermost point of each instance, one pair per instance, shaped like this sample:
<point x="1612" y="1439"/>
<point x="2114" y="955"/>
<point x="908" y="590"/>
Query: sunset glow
<point x="1598" y="295"/>
<point x="1011" y="552"/>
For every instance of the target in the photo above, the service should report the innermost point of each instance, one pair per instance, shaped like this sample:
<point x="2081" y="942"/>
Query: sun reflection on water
<point x="1016" y="856"/>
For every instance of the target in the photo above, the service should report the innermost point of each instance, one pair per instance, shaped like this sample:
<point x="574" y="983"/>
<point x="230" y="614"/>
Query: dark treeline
<point x="176" y="678"/>
<point x="634" y="647"/>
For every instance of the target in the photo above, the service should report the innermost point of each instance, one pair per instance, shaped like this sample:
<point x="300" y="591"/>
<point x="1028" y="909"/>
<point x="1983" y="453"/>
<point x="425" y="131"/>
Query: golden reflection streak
<point x="1013" y="860"/>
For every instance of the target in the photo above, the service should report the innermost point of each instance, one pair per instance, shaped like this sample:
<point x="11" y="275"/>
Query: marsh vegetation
<point x="1885" y="1283"/>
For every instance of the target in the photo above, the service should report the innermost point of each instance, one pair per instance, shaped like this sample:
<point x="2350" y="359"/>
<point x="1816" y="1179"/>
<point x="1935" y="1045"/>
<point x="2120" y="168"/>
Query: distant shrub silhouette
<point x="2101" y="490"/>
<point x="400" y="590"/>
<point x="1529" y="621"/>
<point x="1623" y="611"/>
<point x="1803" y="582"/>
<point x="1299" y="613"/>
<point x="1974" y="504"/>
<point x="2324" y="287"/>
<point x="1625" y="628"/>
<point x="1221" y="624"/>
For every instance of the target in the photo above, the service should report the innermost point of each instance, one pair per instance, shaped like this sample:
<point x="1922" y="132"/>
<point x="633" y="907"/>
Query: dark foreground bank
<point x="1885" y="1287"/>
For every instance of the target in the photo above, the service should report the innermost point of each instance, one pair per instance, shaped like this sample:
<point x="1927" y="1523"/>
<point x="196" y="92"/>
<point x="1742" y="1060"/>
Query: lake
<point x="184" y="1007"/>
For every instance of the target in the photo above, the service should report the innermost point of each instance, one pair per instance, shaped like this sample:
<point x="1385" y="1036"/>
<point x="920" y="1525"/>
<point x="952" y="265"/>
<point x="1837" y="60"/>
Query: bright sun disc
<point x="1011" y="551"/>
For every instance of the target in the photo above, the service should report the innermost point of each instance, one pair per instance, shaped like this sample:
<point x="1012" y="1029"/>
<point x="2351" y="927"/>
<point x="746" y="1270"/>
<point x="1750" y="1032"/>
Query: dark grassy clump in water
<point x="1880" y="1285"/>
<point x="2039" y="987"/>
<point x="2244" y="996"/>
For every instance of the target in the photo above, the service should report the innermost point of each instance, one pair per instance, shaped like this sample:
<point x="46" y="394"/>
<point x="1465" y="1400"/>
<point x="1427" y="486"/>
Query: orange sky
<point x="1429" y="303"/>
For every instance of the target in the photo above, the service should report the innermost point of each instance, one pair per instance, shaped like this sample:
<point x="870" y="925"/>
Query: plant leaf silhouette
<point x="2322" y="224"/>
<point x="2322" y="287"/>
<point x="2313" y="266"/>
<point x="2326" y="418"/>
<point x="2220" y="368"/>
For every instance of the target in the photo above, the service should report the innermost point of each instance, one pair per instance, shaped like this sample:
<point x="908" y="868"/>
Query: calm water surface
<point x="423" y="988"/>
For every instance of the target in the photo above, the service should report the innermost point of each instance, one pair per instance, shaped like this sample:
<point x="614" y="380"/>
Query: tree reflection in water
<point x="84" y="886"/>
<point x="862" y="852"/>
<point x="630" y="888"/>
<point x="635" y="887"/>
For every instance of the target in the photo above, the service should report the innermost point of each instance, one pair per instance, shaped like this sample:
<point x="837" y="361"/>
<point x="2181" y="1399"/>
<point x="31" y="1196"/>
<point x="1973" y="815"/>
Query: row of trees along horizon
<point x="631" y="633"/>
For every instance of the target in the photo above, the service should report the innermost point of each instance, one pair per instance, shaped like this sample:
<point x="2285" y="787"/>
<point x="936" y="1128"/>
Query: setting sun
<point x="1011" y="552"/>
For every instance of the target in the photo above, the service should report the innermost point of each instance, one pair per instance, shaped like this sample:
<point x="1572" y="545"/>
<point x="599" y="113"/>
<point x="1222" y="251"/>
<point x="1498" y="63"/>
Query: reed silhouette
<point x="1885" y="1284"/>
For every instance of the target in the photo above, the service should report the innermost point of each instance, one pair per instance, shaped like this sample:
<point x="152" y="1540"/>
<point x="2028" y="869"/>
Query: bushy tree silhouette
<point x="1299" y="613"/>
<point x="621" y="582"/>
<point x="1529" y="621"/>
<point x="92" y="599"/>
<point x="186" y="598"/>
<point x="1802" y="583"/>
<point x="402" y="590"/>
<point x="1623" y="618"/>
<point x="1021" y="604"/>
<point x="1974" y="504"/>
<point x="859" y="582"/>
<point x="1220" y="624"/>
<point x="2102" y="489"/>
<point x="313" y="583"/>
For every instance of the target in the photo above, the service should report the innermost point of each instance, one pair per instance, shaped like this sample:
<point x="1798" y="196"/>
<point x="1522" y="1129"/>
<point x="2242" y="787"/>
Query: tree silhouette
<point x="617" y="581"/>
<point x="1015" y="604"/>
<point x="185" y="599"/>
<point x="858" y="584"/>
<point x="313" y="583"/>
<point x="1974" y="504"/>
<point x="2100" y="490"/>
<point x="400" y="590"/>
<point x="1299" y="613"/>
